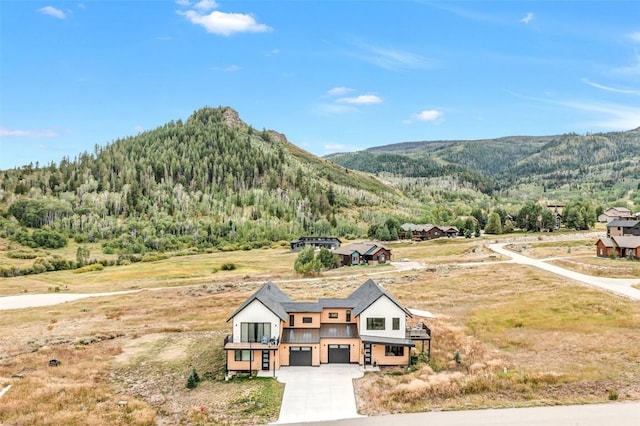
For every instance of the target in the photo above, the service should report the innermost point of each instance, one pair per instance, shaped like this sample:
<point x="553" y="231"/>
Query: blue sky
<point x="330" y="75"/>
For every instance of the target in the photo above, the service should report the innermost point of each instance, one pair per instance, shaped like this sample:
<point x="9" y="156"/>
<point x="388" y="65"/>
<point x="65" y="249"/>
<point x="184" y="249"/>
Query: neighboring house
<point x="617" y="228"/>
<point x="616" y="213"/>
<point x="330" y="243"/>
<point x="369" y="327"/>
<point x="424" y="232"/>
<point x="556" y="209"/>
<point x="369" y="252"/>
<point x="626" y="246"/>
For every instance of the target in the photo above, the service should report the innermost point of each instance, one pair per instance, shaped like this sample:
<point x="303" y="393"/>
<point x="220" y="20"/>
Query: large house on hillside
<point x="616" y="213"/>
<point x="369" y="252"/>
<point x="369" y="327"/>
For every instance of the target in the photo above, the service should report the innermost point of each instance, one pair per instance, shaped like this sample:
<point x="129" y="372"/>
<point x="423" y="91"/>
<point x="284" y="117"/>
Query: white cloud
<point x="225" y="23"/>
<point x="183" y="2"/>
<point x="528" y="18"/>
<point x="337" y="147"/>
<point x="393" y="59"/>
<point x="339" y="91"/>
<point x="427" y="115"/>
<point x="138" y="128"/>
<point x="634" y="36"/>
<point x="205" y="5"/>
<point x="16" y="133"/>
<point x="611" y="89"/>
<point x="361" y="100"/>
<point x="607" y="115"/>
<point x="52" y="11"/>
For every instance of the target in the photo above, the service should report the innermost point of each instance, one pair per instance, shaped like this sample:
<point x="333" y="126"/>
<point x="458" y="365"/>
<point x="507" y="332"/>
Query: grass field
<point x="524" y="337"/>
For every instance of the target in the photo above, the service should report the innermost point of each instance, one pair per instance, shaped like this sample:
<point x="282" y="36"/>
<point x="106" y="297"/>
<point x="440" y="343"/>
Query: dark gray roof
<point x="367" y="293"/>
<point x="623" y="223"/>
<point x="280" y="304"/>
<point x="271" y="297"/>
<point x="336" y="303"/>
<point x="345" y="331"/>
<point x="300" y="335"/>
<point x="302" y="307"/>
<point x="317" y="240"/>
<point x="387" y="340"/>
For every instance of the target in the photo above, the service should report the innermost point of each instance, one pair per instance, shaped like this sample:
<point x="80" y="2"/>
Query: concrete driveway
<point x="313" y="394"/>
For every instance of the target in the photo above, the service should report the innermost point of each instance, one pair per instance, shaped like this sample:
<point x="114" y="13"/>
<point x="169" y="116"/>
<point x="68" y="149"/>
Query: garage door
<point x="339" y="354"/>
<point x="299" y="355"/>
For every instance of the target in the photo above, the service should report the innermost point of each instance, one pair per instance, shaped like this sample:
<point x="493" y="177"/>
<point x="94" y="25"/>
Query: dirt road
<point x="619" y="286"/>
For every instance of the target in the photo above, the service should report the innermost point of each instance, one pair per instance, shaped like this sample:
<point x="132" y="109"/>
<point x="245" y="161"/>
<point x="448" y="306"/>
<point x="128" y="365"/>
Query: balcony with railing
<point x="248" y="343"/>
<point x="419" y="332"/>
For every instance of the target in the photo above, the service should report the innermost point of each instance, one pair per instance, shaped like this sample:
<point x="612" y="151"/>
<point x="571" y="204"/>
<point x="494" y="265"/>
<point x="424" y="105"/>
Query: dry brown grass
<point x="601" y="267"/>
<point x="559" y="342"/>
<point x="524" y="337"/>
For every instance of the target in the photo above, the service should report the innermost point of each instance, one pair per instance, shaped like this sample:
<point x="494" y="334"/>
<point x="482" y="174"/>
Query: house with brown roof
<point x="626" y="246"/>
<point x="369" y="327"/>
<point x="369" y="252"/>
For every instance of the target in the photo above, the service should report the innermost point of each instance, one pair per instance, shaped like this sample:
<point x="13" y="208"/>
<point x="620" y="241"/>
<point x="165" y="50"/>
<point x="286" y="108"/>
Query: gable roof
<point x="627" y="241"/>
<point x="271" y="297"/>
<point x="362" y="248"/>
<point x="607" y="242"/>
<point x="281" y="305"/>
<point x="622" y="210"/>
<point x="367" y="293"/>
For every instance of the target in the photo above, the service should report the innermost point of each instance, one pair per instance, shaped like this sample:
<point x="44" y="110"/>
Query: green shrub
<point x="193" y="379"/>
<point x="22" y="254"/>
<point x="228" y="266"/>
<point x="89" y="268"/>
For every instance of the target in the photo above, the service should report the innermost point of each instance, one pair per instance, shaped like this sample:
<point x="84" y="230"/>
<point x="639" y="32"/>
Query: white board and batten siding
<point x="256" y="312"/>
<point x="384" y="308"/>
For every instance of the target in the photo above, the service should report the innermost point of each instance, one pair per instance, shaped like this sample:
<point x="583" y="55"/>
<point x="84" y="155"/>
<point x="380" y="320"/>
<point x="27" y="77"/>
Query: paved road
<point x="614" y="414"/>
<point x="619" y="286"/>
<point x="47" y="299"/>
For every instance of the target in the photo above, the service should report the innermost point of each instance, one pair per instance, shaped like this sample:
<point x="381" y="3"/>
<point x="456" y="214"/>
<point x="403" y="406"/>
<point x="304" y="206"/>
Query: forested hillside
<point x="211" y="181"/>
<point x="601" y="167"/>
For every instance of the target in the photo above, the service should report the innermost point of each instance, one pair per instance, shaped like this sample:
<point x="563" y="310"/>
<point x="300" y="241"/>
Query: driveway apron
<point x="322" y="393"/>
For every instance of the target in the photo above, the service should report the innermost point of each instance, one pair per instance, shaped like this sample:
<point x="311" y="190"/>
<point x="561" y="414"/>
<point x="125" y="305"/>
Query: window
<point x="255" y="331"/>
<point x="348" y="316"/>
<point x="307" y="320"/>
<point x="375" y="323"/>
<point x="333" y="315"/>
<point x="292" y="320"/>
<point x="393" y="350"/>
<point x="395" y="323"/>
<point x="243" y="355"/>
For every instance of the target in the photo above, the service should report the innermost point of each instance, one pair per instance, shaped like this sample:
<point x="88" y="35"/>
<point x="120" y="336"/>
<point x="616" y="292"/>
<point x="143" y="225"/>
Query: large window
<point x="375" y="323"/>
<point x="307" y="320"/>
<point x="243" y="355"/>
<point x="255" y="331"/>
<point x="393" y="350"/>
<point x="395" y="323"/>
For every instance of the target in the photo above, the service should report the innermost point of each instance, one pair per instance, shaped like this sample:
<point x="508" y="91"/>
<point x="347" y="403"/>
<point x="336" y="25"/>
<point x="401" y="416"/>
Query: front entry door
<point x="265" y="360"/>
